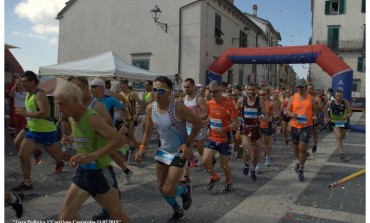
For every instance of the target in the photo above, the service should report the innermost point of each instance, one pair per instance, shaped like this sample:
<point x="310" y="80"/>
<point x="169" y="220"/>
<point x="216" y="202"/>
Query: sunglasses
<point x="93" y="87"/>
<point x="214" y="91"/>
<point x="262" y="94"/>
<point x="24" y="81"/>
<point x="160" y="90"/>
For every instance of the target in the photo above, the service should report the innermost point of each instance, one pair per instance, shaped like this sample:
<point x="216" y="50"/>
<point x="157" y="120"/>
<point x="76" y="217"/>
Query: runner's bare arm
<point x="202" y="103"/>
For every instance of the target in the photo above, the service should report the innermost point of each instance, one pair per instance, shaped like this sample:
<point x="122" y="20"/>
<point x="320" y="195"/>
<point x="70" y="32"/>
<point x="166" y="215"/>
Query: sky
<point x="292" y="18"/>
<point x="31" y="26"/>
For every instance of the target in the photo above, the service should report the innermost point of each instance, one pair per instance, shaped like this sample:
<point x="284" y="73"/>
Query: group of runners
<point x="210" y="119"/>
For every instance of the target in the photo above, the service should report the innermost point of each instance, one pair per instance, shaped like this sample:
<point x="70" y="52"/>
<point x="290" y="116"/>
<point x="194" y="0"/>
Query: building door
<point x="333" y="37"/>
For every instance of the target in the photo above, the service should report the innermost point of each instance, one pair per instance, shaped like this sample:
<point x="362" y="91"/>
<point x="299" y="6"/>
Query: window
<point x="356" y="85"/>
<point x="333" y="37"/>
<point x="142" y="63"/>
<point x="230" y="76"/>
<point x="243" y="41"/>
<point x="334" y="7"/>
<point x="363" y="6"/>
<point x="361" y="64"/>
<point x="218" y="31"/>
<point x="241" y="77"/>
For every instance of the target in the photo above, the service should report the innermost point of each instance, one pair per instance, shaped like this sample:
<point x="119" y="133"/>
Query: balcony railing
<point x="344" y="44"/>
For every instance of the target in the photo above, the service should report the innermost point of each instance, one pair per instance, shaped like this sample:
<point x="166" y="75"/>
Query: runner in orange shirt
<point x="302" y="108"/>
<point x="223" y="118"/>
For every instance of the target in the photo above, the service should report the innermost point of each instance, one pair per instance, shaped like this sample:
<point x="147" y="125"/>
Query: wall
<point x="351" y="29"/>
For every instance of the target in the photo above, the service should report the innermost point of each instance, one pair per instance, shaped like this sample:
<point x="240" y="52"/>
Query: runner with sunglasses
<point x="223" y="117"/>
<point x="170" y="118"/>
<point x="198" y="105"/>
<point x="273" y="112"/>
<point x="254" y="111"/>
<point x="302" y="108"/>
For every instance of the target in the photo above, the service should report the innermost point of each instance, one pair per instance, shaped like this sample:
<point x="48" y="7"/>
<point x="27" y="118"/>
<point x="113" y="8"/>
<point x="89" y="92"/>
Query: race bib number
<point x="215" y="123"/>
<point x="165" y="157"/>
<point x="339" y="123"/>
<point x="301" y="119"/>
<point x="250" y="112"/>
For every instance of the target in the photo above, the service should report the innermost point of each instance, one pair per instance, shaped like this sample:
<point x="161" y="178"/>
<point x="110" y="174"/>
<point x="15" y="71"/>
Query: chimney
<point x="255" y="10"/>
<point x="232" y="1"/>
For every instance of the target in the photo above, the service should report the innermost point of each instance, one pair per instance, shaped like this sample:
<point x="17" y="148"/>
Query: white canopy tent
<point x="107" y="64"/>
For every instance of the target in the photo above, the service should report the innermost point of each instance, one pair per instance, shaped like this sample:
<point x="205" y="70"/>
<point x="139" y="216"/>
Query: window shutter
<point x="363" y="6"/>
<point x="360" y="64"/>
<point x="327" y="7"/>
<point x="342" y="6"/>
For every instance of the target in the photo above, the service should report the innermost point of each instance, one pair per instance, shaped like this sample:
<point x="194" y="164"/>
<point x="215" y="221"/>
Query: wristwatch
<point x="188" y="144"/>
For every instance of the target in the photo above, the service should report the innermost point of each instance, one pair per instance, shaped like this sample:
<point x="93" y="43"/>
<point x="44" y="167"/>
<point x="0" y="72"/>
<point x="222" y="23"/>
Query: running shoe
<point x="228" y="187"/>
<point x="246" y="169"/>
<point x="185" y="180"/>
<point x="287" y="142"/>
<point x="59" y="167"/>
<point x="253" y="175"/>
<point x="267" y="161"/>
<point x="23" y="186"/>
<point x="212" y="183"/>
<point x="128" y="177"/>
<point x="18" y="205"/>
<point x="314" y="148"/>
<point x="296" y="167"/>
<point x="300" y="174"/>
<point x="177" y="216"/>
<point x="101" y="216"/>
<point x="37" y="154"/>
<point x="186" y="198"/>
<point x="342" y="156"/>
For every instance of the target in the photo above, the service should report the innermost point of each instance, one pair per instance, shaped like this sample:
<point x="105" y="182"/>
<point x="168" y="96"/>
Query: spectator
<point x="19" y="96"/>
<point x="177" y="83"/>
<point x="9" y="87"/>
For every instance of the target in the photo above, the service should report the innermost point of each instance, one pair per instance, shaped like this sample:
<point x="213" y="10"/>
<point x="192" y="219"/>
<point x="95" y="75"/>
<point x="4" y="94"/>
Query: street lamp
<point x="156" y="13"/>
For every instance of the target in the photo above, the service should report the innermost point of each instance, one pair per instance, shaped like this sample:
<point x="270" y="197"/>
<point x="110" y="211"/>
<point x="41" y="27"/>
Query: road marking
<point x="343" y="164"/>
<point x="351" y="144"/>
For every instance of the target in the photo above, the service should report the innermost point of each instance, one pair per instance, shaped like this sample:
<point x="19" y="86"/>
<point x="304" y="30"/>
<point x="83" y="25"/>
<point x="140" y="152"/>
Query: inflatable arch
<point x="341" y="73"/>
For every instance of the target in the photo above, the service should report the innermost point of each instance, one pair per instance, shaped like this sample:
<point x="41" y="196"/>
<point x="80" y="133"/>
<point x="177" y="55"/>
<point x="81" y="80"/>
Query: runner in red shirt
<point x="223" y="118"/>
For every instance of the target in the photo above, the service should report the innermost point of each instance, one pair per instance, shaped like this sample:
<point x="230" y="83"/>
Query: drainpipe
<point x="180" y="26"/>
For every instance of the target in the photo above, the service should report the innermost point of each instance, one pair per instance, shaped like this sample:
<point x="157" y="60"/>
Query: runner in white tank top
<point x="170" y="117"/>
<point x="198" y="105"/>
